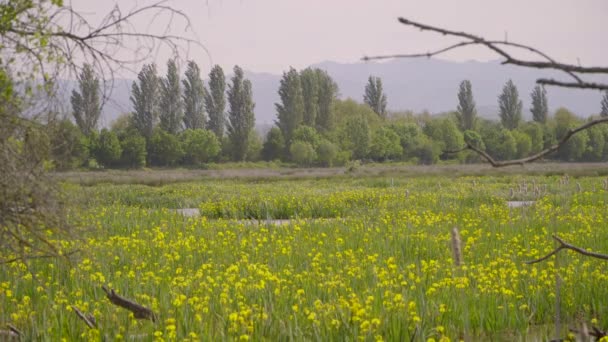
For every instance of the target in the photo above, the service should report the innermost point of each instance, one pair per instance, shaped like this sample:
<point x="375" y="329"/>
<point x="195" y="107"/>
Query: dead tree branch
<point x="500" y="48"/>
<point x="88" y="318"/>
<point x="139" y="311"/>
<point x="565" y="245"/>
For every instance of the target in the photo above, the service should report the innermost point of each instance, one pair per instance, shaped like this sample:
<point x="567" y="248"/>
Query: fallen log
<point x="139" y="311"/>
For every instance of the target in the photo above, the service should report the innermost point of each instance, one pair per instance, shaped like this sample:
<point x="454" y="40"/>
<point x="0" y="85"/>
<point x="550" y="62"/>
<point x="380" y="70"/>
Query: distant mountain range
<point x="410" y="84"/>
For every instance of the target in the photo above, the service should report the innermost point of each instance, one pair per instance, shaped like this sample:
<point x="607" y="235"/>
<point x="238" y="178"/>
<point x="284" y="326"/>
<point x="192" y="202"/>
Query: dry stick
<point x="87" y="318"/>
<point x="139" y="311"/>
<point x="565" y="245"/>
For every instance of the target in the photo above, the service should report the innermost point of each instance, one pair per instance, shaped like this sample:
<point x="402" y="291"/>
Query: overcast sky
<point x="271" y="35"/>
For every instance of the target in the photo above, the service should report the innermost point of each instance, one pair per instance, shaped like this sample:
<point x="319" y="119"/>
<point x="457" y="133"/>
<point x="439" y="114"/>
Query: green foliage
<point x="69" y="147"/>
<point x="540" y="108"/>
<point x="107" y="150"/>
<point x="356" y="137"/>
<point x="409" y="134"/>
<point x="596" y="145"/>
<point x="254" y="147"/>
<point x="309" y="79"/>
<point x="145" y="99"/>
<point x="241" y="119"/>
<point x="307" y="134"/>
<point x="444" y="132"/>
<point x="577" y="144"/>
<point x="200" y="146"/>
<point x="474" y="139"/>
<point x="133" y="150"/>
<point x="500" y="144"/>
<point x="86" y="108"/>
<point x="327" y="152"/>
<point x="466" y="114"/>
<point x="171" y="104"/>
<point x="194" y="97"/>
<point x="328" y="92"/>
<point x="385" y="144"/>
<point x="427" y="151"/>
<point x="215" y="101"/>
<point x="290" y="112"/>
<point x="302" y="153"/>
<point x="604" y="104"/>
<point x="374" y="96"/>
<point x="510" y="106"/>
<point x="523" y="143"/>
<point x="274" y="146"/>
<point x="164" y="149"/>
<point x="535" y="131"/>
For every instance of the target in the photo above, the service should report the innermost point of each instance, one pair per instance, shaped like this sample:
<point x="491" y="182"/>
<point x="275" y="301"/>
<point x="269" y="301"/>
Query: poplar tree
<point x="171" y="103"/>
<point x="328" y="92"/>
<point x="145" y="99"/>
<point x="604" y="112"/>
<point x="510" y="106"/>
<point x="215" y="101"/>
<point x="241" y="119"/>
<point x="467" y="113"/>
<point x="539" y="108"/>
<point x="194" y="97"/>
<point x="290" y="112"/>
<point x="85" y="104"/>
<point x="375" y="97"/>
<point x="309" y="80"/>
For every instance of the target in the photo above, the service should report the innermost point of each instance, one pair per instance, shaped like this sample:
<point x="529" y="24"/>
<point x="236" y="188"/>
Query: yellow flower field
<point x="364" y="259"/>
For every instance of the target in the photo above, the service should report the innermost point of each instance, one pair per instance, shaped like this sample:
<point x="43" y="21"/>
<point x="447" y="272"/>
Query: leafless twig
<point x="565" y="245"/>
<point x="499" y="48"/>
<point x="88" y="318"/>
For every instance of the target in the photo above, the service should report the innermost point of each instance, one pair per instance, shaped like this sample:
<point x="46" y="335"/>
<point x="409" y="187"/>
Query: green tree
<point x="510" y="106"/>
<point x="69" y="146"/>
<point x="164" y="149"/>
<point x="302" y="153"/>
<point x="574" y="149"/>
<point x="107" y="150"/>
<point x="327" y="152"/>
<point x="145" y="99"/>
<point x="200" y="146"/>
<point x="374" y="96"/>
<point x="466" y="114"/>
<point x="309" y="79"/>
<point x="86" y="108"/>
<point x="523" y="143"/>
<point x="540" y="109"/>
<point x="134" y="151"/>
<point x="409" y="134"/>
<point x="596" y="145"/>
<point x="290" y="112"/>
<point x="499" y="142"/>
<point x="385" y="144"/>
<point x="274" y="146"/>
<point x="444" y="132"/>
<point x="604" y="111"/>
<point x="427" y="151"/>
<point x="535" y="131"/>
<point x="215" y="101"/>
<point x="171" y="103"/>
<point x="328" y="92"/>
<point x="194" y="97"/>
<point x="356" y="136"/>
<point x="307" y="134"/>
<point x="241" y="119"/>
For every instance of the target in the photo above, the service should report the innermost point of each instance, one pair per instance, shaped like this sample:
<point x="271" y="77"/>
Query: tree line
<point x="185" y="122"/>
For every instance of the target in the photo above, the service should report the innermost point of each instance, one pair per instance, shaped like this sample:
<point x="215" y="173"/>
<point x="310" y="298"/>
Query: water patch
<point x="519" y="204"/>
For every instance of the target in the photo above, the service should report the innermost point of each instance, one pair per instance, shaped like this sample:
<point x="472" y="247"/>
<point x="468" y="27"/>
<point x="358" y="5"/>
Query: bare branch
<point x="565" y="245"/>
<point x="139" y="311"/>
<point x="88" y="319"/>
<point x="499" y="48"/>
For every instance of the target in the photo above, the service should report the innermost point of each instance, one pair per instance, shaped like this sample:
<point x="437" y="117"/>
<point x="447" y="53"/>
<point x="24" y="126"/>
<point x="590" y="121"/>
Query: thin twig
<point x="565" y="245"/>
<point x="87" y="318"/>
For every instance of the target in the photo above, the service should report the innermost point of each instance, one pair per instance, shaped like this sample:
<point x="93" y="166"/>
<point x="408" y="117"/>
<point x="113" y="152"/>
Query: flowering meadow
<point x="352" y="258"/>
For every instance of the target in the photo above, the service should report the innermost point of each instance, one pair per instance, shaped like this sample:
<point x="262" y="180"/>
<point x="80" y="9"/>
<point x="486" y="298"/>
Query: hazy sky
<point x="271" y="35"/>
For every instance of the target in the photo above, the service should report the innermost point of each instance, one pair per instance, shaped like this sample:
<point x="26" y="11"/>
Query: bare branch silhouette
<point x="565" y="245"/>
<point x="499" y="48"/>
